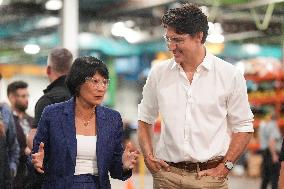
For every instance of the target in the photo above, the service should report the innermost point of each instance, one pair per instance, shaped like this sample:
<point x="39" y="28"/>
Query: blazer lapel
<point x="68" y="126"/>
<point x="100" y="123"/>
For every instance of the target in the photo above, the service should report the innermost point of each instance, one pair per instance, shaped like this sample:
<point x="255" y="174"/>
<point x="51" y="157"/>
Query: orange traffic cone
<point x="129" y="184"/>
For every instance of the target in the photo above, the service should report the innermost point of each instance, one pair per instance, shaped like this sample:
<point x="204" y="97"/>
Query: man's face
<point x="183" y="46"/>
<point x="21" y="99"/>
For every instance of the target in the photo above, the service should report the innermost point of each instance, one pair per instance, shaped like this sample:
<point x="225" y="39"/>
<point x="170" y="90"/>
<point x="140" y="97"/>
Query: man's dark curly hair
<point x="82" y="68"/>
<point x="188" y="19"/>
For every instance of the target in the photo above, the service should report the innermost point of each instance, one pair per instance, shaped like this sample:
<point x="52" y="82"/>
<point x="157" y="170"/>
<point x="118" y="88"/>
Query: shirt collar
<point x="206" y="63"/>
<point x="174" y="64"/>
<point x="58" y="82"/>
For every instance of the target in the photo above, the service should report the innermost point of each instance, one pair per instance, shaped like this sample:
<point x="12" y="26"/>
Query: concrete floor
<point x="137" y="183"/>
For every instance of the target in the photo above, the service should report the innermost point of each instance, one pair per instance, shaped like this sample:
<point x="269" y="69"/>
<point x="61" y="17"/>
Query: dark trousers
<point x="270" y="171"/>
<point x="86" y="181"/>
<point x="5" y="177"/>
<point x="23" y="179"/>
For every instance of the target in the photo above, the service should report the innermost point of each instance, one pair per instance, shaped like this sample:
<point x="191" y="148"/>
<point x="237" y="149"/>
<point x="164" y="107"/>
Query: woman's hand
<point x="129" y="157"/>
<point x="37" y="158"/>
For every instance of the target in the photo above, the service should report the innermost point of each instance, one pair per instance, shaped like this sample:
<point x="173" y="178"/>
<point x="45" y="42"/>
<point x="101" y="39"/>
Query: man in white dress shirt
<point x="203" y="102"/>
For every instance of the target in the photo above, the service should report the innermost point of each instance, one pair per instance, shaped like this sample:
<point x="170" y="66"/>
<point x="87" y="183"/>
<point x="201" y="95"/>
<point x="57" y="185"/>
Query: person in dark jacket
<point x="18" y="95"/>
<point x="58" y="65"/>
<point x="79" y="142"/>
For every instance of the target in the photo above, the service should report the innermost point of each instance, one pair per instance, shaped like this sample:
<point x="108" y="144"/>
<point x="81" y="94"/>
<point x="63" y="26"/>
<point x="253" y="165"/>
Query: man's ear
<point x="199" y="36"/>
<point x="48" y="70"/>
<point x="11" y="98"/>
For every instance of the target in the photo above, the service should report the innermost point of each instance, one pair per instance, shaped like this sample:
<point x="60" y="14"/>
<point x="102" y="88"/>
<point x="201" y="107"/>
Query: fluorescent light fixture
<point x="1" y="1"/>
<point x="118" y="29"/>
<point x="133" y="36"/>
<point x="31" y="49"/>
<point x="53" y="5"/>
<point x="48" y="22"/>
<point x="205" y="10"/>
<point x="215" y="33"/>
<point x="215" y="38"/>
<point x="251" y="49"/>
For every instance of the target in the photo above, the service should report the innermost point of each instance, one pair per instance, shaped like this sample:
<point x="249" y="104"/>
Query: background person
<point x="9" y="147"/>
<point x="18" y="96"/>
<point x="270" y="144"/>
<point x="59" y="61"/>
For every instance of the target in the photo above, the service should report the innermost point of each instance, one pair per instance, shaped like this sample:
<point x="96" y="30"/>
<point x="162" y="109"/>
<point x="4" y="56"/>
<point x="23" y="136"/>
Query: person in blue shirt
<point x="9" y="147"/>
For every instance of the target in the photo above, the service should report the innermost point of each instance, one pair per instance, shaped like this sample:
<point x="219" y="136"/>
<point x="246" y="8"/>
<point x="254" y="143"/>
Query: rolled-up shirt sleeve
<point x="240" y="117"/>
<point x="148" y="108"/>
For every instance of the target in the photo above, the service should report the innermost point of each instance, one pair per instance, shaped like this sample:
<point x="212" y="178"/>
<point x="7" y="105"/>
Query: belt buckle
<point x="185" y="166"/>
<point x="197" y="167"/>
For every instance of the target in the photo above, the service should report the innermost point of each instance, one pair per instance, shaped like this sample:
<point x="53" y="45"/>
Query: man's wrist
<point x="148" y="156"/>
<point x="229" y="164"/>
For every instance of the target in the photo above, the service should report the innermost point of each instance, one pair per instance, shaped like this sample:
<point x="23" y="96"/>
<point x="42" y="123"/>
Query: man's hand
<point x="220" y="172"/>
<point x="130" y="157"/>
<point x="154" y="164"/>
<point x="37" y="158"/>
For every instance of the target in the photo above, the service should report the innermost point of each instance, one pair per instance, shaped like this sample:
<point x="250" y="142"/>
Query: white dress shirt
<point x="197" y="117"/>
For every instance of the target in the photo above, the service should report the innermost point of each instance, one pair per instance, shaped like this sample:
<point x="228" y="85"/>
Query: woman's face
<point x="94" y="89"/>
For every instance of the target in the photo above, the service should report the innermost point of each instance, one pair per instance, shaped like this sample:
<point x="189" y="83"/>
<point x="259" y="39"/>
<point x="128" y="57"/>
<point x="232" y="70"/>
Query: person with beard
<point x="208" y="127"/>
<point x="18" y="96"/>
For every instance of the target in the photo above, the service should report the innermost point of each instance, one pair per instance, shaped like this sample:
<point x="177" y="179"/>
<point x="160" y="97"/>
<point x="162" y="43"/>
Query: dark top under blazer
<point x="57" y="131"/>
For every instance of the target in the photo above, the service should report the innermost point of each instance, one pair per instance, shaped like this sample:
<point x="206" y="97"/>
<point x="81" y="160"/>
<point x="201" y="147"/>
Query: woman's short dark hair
<point x="188" y="19"/>
<point x="82" y="68"/>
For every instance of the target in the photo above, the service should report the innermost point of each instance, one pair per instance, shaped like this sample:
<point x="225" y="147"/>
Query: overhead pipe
<point x="267" y="17"/>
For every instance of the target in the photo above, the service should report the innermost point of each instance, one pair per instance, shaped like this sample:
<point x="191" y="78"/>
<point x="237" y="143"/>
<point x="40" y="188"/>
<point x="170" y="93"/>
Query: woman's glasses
<point x="96" y="83"/>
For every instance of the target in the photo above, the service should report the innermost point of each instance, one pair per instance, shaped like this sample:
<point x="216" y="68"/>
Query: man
<point x="281" y="159"/>
<point x="270" y="144"/>
<point x="9" y="147"/>
<point x="18" y="95"/>
<point x="203" y="102"/>
<point x="59" y="62"/>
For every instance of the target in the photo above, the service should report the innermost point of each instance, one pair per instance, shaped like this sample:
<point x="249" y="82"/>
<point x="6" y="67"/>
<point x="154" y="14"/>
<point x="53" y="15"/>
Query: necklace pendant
<point x="86" y="124"/>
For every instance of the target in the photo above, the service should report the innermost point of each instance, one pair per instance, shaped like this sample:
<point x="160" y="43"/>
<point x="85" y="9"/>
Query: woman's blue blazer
<point x="57" y="130"/>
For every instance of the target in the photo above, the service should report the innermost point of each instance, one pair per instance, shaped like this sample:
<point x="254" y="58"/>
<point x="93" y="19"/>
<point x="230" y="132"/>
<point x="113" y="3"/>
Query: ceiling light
<point x="31" y="49"/>
<point x="53" y="5"/>
<point x="251" y="49"/>
<point x="205" y="10"/>
<point x="1" y="1"/>
<point x="215" y="38"/>
<point x="118" y="29"/>
<point x="48" y="22"/>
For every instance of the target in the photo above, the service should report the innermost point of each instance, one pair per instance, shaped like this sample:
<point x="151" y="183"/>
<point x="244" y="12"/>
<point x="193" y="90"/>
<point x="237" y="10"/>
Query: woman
<point x="78" y="142"/>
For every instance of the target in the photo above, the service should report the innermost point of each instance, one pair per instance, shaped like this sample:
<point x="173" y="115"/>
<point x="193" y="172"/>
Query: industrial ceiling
<point x="243" y="21"/>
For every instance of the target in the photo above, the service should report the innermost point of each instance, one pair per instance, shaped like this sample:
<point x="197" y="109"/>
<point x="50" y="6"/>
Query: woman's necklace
<point x="86" y="122"/>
